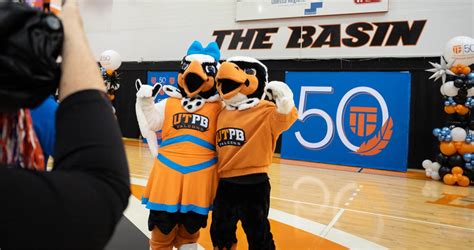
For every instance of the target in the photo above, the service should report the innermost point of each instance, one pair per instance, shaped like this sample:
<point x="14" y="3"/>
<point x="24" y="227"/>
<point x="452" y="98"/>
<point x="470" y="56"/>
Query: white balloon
<point x="426" y="163"/>
<point x="460" y="49"/>
<point x="449" y="89"/>
<point x="428" y="173"/>
<point x="110" y="59"/>
<point x="442" y="90"/>
<point x="435" y="176"/>
<point x="458" y="134"/>
<point x="470" y="92"/>
<point x="435" y="167"/>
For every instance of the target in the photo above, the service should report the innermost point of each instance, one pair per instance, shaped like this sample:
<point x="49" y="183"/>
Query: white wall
<point x="160" y="30"/>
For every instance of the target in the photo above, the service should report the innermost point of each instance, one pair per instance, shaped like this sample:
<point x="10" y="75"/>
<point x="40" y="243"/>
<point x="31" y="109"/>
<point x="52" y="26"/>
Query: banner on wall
<point x="350" y="118"/>
<point x="271" y="9"/>
<point x="411" y="28"/>
<point x="165" y="78"/>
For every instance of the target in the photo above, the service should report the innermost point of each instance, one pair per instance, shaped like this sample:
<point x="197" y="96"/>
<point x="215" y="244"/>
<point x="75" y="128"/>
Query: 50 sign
<point x="350" y="118"/>
<point x="381" y="139"/>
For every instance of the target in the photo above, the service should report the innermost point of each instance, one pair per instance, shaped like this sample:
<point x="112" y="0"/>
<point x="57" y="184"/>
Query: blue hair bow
<point x="211" y="50"/>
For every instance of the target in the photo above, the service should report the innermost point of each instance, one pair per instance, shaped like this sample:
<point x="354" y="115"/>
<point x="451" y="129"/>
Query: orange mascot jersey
<point x="184" y="176"/>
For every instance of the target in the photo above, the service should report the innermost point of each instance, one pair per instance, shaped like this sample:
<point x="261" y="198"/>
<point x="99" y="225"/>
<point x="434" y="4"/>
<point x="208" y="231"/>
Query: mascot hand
<point x="282" y="95"/>
<point x="147" y="91"/>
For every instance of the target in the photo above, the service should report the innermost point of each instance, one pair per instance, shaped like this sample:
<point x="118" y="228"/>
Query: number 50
<point x="303" y="114"/>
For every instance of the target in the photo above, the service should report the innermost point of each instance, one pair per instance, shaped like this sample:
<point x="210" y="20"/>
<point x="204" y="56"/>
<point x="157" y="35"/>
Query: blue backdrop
<point x="165" y="78"/>
<point x="350" y="118"/>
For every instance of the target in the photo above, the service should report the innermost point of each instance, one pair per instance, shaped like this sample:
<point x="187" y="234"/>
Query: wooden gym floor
<point x="319" y="206"/>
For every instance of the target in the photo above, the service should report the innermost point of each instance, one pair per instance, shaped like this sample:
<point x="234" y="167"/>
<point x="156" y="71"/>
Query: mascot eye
<point x="250" y="72"/>
<point x="185" y="65"/>
<point x="210" y="69"/>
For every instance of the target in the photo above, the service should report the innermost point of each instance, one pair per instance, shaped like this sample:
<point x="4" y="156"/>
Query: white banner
<point x="162" y="30"/>
<point x="271" y="9"/>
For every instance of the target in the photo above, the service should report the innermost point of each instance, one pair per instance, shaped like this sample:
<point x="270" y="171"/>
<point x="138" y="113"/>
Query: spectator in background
<point x="78" y="204"/>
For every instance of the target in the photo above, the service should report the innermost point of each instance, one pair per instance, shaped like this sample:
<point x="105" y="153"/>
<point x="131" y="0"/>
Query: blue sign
<point x="350" y="118"/>
<point x="165" y="78"/>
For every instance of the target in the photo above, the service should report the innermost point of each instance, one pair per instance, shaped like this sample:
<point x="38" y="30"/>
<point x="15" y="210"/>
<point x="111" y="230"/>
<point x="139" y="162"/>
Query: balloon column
<point x="454" y="164"/>
<point x="110" y="61"/>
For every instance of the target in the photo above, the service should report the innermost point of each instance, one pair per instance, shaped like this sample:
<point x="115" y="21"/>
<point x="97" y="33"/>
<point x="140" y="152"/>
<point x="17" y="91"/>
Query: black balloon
<point x="443" y="170"/>
<point x="442" y="159"/>
<point x="456" y="161"/>
<point x="469" y="172"/>
<point x="458" y="83"/>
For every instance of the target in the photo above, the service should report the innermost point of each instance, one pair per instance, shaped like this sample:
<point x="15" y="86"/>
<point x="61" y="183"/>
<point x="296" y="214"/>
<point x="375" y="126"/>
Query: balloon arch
<point x="455" y="162"/>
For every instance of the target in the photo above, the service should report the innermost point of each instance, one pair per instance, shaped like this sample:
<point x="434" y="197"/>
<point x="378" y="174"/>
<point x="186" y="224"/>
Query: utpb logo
<point x="457" y="49"/>
<point x="190" y="121"/>
<point x="230" y="137"/>
<point x="370" y="125"/>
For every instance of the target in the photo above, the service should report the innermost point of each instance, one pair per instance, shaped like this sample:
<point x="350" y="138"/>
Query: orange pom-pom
<point x="109" y="72"/>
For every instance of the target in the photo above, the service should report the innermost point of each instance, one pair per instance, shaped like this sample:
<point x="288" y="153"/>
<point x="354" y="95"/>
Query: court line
<point x="139" y="181"/>
<point x="383" y="215"/>
<point x="331" y="224"/>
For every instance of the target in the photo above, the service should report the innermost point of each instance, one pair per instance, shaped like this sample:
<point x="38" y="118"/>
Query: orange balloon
<point x="461" y="109"/>
<point x="449" y="109"/>
<point x="447" y="148"/>
<point x="466" y="149"/>
<point x="449" y="179"/>
<point x="463" y="181"/>
<point x="454" y="69"/>
<point x="458" y="144"/>
<point x="457" y="170"/>
<point x="466" y="70"/>
<point x="109" y="72"/>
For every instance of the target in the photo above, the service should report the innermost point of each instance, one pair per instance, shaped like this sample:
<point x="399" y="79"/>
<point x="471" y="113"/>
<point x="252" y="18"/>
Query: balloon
<point x="470" y="92"/>
<point x="110" y="59"/>
<point x="461" y="109"/>
<point x="449" y="89"/>
<point x="466" y="70"/>
<point x="447" y="148"/>
<point x="435" y="176"/>
<point x="435" y="167"/>
<point x="460" y="49"/>
<point x="456" y="160"/>
<point x="470" y="76"/>
<point x="441" y="159"/>
<point x="443" y="170"/>
<point x="441" y="90"/>
<point x="449" y="179"/>
<point x="467" y="157"/>
<point x="111" y="97"/>
<point x="457" y="170"/>
<point x="466" y="148"/>
<point x="469" y="172"/>
<point x="426" y="163"/>
<point x="449" y="109"/>
<point x="109" y="72"/>
<point x="458" y="134"/>
<point x="458" y="83"/>
<point x="463" y="181"/>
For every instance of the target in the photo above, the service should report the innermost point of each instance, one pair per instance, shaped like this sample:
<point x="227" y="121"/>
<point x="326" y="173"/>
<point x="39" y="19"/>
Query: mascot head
<point x="240" y="79"/>
<point x="198" y="71"/>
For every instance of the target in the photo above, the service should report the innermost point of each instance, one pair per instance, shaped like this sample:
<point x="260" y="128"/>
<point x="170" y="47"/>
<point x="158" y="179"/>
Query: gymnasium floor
<point x="318" y="206"/>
